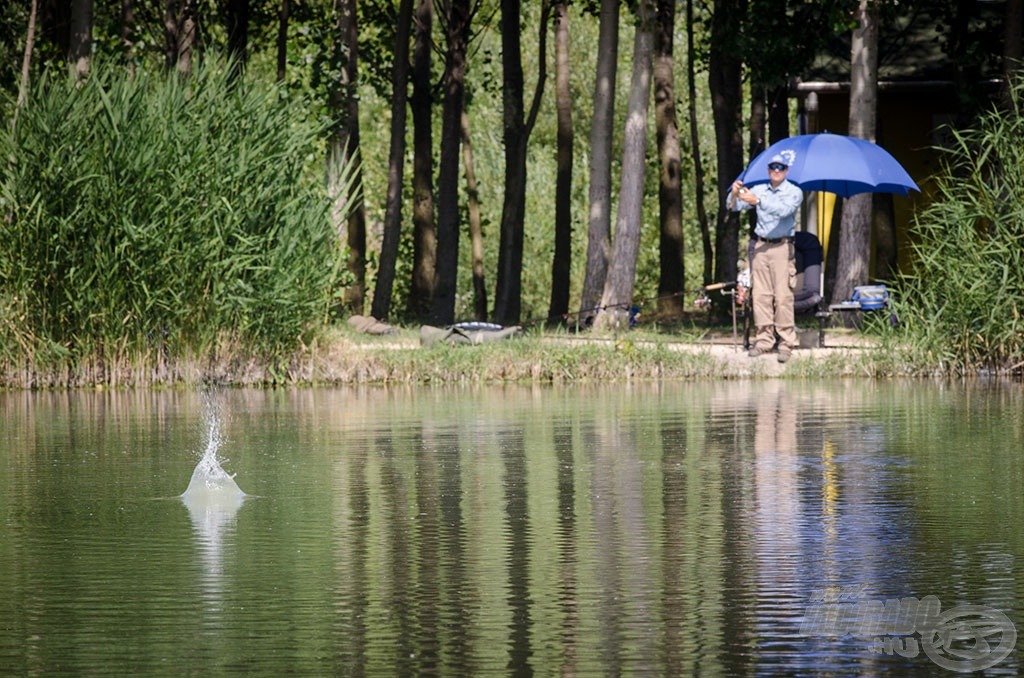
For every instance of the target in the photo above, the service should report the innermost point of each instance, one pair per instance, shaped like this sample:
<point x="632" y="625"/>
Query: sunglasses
<point x="776" y="167"/>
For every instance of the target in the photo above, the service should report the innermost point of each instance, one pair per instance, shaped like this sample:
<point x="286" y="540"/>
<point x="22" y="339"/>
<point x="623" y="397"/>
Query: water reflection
<point x="213" y="499"/>
<point x="678" y="529"/>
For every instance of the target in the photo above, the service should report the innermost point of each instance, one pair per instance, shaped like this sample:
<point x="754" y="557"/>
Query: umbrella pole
<point x="821" y="231"/>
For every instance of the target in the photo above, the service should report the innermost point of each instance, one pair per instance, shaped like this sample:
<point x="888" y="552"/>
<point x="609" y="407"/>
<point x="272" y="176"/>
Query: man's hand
<point x="740" y="191"/>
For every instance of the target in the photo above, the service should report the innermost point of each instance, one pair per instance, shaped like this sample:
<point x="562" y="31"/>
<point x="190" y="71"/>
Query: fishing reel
<point x="704" y="301"/>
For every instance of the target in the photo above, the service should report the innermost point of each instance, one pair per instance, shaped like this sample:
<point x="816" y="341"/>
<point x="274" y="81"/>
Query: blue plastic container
<point x="871" y="297"/>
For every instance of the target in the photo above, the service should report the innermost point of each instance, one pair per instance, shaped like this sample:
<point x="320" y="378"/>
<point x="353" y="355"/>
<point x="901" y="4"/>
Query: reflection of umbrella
<point x="834" y="163"/>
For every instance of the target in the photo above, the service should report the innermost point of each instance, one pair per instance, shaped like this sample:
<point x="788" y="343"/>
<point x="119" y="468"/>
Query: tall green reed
<point x="153" y="214"/>
<point x="961" y="306"/>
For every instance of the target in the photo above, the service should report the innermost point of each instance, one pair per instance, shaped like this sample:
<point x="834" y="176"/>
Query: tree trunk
<point x="758" y="121"/>
<point x="26" y="62"/>
<point x="476" y="230"/>
<point x="885" y="253"/>
<point x="344" y="173"/>
<point x="672" y="278"/>
<point x="180" y="34"/>
<point x="698" y="164"/>
<point x="237" y="24"/>
<point x="561" y="264"/>
<point x="424" y="228"/>
<point x="187" y="43"/>
<point x="381" y="307"/>
<point x="513" y="211"/>
<point x="599" y="220"/>
<point x="282" y="39"/>
<point x="456" y="24"/>
<point x="618" y="289"/>
<point x="755" y="142"/>
<point x="508" y="291"/>
<point x="778" y="114"/>
<point x="855" y="233"/>
<point x="128" y="32"/>
<point x="80" y="46"/>
<point x="1013" y="44"/>
<point x="171" y="33"/>
<point x="724" y="80"/>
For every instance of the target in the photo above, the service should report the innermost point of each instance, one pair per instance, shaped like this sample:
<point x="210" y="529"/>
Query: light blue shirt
<point x="776" y="214"/>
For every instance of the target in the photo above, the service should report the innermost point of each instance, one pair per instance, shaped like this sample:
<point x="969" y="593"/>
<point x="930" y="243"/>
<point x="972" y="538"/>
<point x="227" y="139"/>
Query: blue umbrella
<point x="834" y="163"/>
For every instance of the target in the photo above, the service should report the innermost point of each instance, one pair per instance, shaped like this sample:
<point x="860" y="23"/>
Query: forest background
<point x="205" y="176"/>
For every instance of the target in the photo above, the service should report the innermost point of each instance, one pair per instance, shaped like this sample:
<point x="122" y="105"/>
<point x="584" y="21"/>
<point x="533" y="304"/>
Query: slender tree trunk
<point x="80" y="46"/>
<point x="513" y="211"/>
<point x="618" y="288"/>
<point x="508" y="290"/>
<point x="724" y="77"/>
<point x="778" y="114"/>
<point x="672" y="250"/>
<point x="1013" y="44"/>
<point x="855" y="233"/>
<point x="456" y="24"/>
<point x="561" y="264"/>
<point x="755" y="142"/>
<point x="885" y="253"/>
<point x="282" y="39"/>
<point x="180" y="34"/>
<point x="698" y="164"/>
<point x="349" y="211"/>
<point x="128" y="33"/>
<point x="424" y="228"/>
<point x="171" y="12"/>
<point x="187" y="43"/>
<point x="237" y="23"/>
<point x="476" y="230"/>
<point x="599" y="220"/>
<point x="381" y="308"/>
<point x="758" y="121"/>
<point x="26" y="62"/>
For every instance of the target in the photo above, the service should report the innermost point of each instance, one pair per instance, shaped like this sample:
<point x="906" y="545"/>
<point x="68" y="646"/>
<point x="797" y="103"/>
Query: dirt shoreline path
<point x="721" y="352"/>
<point x="840" y="348"/>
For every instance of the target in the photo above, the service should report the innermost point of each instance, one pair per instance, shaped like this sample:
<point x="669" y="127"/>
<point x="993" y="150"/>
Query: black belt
<point x="774" y="241"/>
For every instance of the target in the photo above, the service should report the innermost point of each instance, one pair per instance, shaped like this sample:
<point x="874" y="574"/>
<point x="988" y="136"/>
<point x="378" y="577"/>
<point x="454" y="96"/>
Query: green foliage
<point x="153" y="213"/>
<point x="962" y="305"/>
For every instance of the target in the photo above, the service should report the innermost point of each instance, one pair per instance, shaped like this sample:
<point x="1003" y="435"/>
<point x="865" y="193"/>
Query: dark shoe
<point x="755" y="352"/>
<point x="783" y="356"/>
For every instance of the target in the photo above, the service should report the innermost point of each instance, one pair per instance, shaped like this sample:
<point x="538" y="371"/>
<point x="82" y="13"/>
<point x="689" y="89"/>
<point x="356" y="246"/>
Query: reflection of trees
<point x="518" y="551"/>
<point x="447" y="547"/>
<point x="693" y="544"/>
<point x="657" y="530"/>
<point x="675" y="530"/>
<point x="567" y="558"/>
<point x="625" y="553"/>
<point x="399" y="588"/>
<point x="351" y="549"/>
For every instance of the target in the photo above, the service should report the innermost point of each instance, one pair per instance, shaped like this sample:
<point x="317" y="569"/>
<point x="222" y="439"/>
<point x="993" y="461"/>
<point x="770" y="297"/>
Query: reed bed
<point x="961" y="307"/>
<point x="147" y="218"/>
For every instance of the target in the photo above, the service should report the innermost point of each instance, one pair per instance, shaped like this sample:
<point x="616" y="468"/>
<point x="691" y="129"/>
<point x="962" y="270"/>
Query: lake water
<point x="729" y="528"/>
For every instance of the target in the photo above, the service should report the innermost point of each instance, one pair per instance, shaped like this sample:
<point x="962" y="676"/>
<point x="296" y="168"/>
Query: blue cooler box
<point x="871" y="297"/>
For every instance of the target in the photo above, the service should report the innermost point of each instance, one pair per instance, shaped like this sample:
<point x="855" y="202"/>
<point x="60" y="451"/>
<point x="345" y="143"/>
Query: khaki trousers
<point x="772" y="278"/>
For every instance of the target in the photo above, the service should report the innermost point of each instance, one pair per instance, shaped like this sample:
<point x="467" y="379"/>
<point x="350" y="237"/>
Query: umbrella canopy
<point x="834" y="163"/>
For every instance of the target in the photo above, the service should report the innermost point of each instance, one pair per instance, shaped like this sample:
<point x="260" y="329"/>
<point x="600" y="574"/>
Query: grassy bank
<point x="344" y="356"/>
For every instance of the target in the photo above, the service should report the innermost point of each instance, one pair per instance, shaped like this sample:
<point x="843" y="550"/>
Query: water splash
<point x="211" y="485"/>
<point x="212" y="498"/>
